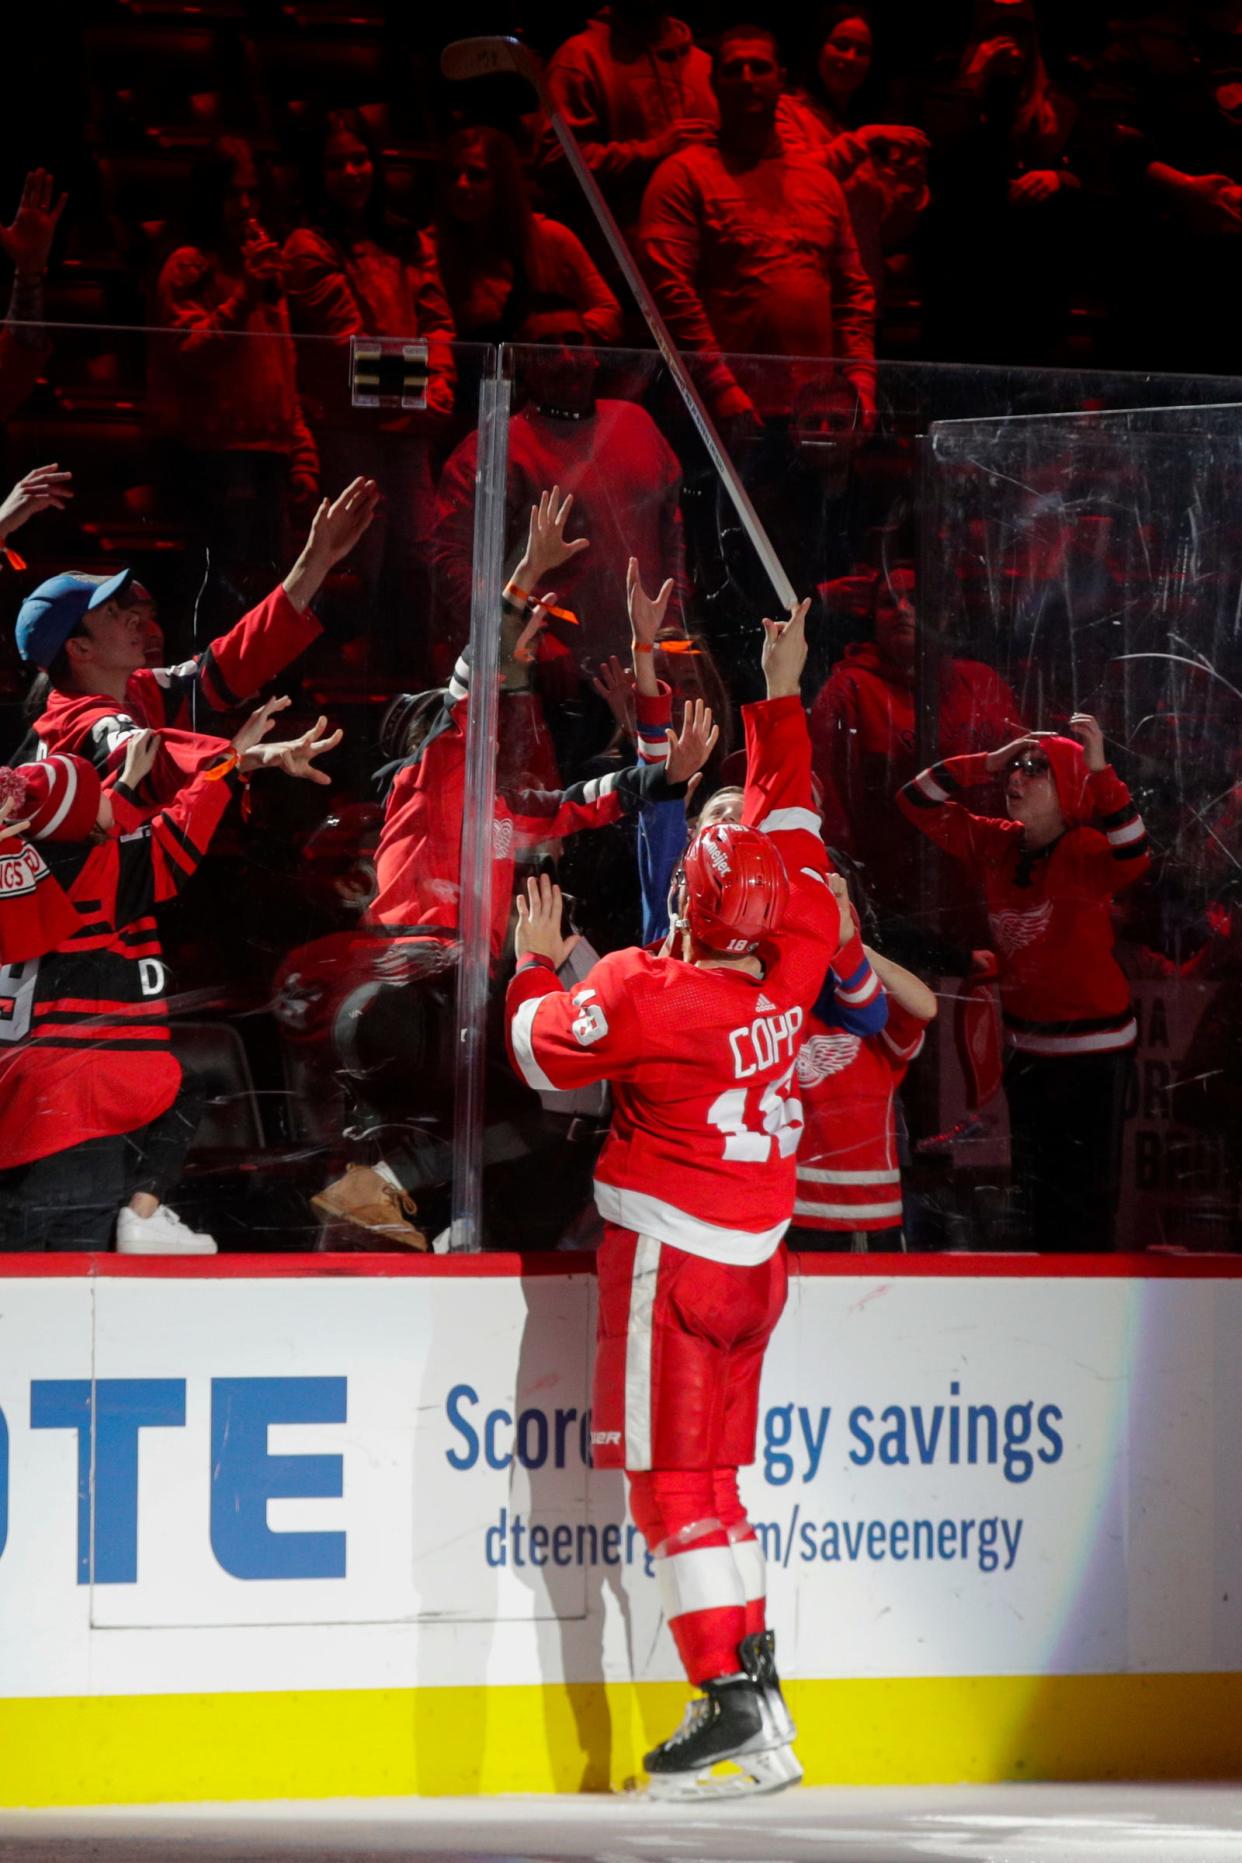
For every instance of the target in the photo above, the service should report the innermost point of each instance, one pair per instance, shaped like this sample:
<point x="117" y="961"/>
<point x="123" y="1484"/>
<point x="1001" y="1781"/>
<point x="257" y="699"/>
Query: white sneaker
<point x="164" y="1233"/>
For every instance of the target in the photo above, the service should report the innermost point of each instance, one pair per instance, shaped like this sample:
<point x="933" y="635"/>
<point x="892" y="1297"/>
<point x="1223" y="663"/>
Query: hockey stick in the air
<point x="478" y="58"/>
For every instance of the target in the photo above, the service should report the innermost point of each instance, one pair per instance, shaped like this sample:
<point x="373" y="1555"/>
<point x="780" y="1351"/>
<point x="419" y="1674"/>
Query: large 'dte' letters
<point x="109" y="1415"/>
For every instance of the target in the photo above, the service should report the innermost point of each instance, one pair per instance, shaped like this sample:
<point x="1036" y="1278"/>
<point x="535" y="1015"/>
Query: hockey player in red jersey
<point x="696" y="1187"/>
<point x="1048" y="875"/>
<point x="89" y="635"/>
<point x="850" y="1064"/>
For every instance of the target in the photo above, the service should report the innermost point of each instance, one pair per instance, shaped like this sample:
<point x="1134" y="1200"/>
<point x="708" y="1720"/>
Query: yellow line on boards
<point x="373" y="1743"/>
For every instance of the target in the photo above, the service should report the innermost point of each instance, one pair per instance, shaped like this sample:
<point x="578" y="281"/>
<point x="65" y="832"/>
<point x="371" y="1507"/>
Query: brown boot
<point x="368" y="1201"/>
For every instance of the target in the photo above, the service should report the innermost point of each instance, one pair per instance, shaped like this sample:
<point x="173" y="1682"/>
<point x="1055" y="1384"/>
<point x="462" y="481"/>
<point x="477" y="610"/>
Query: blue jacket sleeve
<point x="853" y="998"/>
<point x="661" y="842"/>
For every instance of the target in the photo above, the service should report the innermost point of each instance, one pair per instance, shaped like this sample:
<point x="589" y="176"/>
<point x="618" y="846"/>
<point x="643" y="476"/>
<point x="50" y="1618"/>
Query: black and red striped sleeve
<point x="155" y="862"/>
<point x="1126" y="853"/>
<point x="228" y="673"/>
<point x="549" y="814"/>
<point x="931" y="801"/>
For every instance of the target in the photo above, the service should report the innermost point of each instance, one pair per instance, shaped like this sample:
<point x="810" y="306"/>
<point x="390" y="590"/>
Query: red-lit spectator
<point x="26" y="244"/>
<point x="864" y="731"/>
<point x="223" y="382"/>
<point x="624" y="476"/>
<point x="749" y="246"/>
<point x="90" y="637"/>
<point x="353" y="270"/>
<point x="1000" y="253"/>
<point x="495" y="255"/>
<point x="95" y="1114"/>
<point x="634" y="88"/>
<point x="849" y="1172"/>
<point x="1048" y="875"/>
<point x="881" y="166"/>
<point x="1171" y="85"/>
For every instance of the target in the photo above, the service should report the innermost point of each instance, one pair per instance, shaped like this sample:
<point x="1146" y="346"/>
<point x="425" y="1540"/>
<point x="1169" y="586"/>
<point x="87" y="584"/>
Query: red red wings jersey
<point x="1062" y="989"/>
<point x="706" y="1115"/>
<point x="85" y="1046"/>
<point x="848" y="1174"/>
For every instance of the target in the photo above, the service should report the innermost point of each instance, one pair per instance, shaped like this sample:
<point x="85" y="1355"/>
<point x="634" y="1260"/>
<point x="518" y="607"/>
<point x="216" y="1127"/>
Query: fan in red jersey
<point x="94" y="1109"/>
<point x="849" y="1177"/>
<point x="90" y="635"/>
<point x="696" y="1187"/>
<point x="1048" y="875"/>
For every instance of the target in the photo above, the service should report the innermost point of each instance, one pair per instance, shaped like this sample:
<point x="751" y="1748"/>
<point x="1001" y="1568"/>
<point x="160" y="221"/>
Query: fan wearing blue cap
<point x="90" y="635"/>
<point x="52" y="614"/>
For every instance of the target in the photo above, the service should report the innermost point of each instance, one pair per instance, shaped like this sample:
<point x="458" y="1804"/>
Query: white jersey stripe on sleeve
<point x="863" y="994"/>
<point x="521" y="1029"/>
<point x="930" y="787"/>
<point x="780" y="820"/>
<point x="1133" y="831"/>
<point x="644" y="1275"/>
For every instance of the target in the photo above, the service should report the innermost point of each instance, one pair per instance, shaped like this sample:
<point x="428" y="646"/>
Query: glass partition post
<point x="477" y="827"/>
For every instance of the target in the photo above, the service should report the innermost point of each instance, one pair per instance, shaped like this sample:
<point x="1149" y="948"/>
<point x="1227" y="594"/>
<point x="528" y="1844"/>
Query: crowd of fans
<point x="271" y="1041"/>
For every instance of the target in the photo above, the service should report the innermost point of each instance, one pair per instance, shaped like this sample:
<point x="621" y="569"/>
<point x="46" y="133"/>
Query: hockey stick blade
<point x="488" y="57"/>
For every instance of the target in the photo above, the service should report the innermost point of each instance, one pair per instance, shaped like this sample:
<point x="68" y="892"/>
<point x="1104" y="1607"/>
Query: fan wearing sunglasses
<point x="1073" y="841"/>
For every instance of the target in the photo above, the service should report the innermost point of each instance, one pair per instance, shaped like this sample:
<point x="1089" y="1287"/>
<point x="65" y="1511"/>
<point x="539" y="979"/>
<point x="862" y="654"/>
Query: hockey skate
<point x="757" y="1655"/>
<point x="730" y="1726"/>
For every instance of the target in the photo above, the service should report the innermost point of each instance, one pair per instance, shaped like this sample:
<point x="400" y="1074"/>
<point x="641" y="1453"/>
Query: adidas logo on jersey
<point x="765" y="1004"/>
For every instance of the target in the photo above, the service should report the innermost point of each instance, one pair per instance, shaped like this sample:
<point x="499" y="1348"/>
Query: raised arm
<point x="524" y="601"/>
<point x="929" y="800"/>
<point x="907" y="991"/>
<point x="46" y="488"/>
<point x="548" y="815"/>
<point x="1126" y="856"/>
<point x="259" y="647"/>
<point x="559" y="1039"/>
<point x="853" y="997"/>
<point x="779" y="796"/>
<point x="157" y="859"/>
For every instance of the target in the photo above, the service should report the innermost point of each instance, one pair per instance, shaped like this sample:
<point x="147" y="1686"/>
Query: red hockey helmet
<point x="736" y="887"/>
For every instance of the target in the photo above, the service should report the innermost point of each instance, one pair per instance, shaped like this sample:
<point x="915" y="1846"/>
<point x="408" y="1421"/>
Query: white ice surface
<point x="992" y="1824"/>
